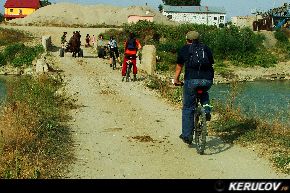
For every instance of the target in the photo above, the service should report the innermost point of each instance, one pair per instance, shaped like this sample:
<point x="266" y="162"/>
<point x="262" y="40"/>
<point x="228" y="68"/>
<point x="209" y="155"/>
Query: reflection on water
<point x="267" y="99"/>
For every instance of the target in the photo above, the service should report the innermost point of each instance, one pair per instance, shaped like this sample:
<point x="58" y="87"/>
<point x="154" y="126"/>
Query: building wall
<point x="245" y="21"/>
<point x="136" y="18"/>
<point x="18" y="11"/>
<point x="198" y="18"/>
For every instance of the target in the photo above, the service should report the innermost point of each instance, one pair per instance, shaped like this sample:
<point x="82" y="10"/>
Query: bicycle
<point x="200" y="127"/>
<point x="114" y="65"/>
<point x="129" y="69"/>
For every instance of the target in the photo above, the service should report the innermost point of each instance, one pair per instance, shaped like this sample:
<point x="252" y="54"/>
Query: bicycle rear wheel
<point x="200" y="130"/>
<point x="128" y="71"/>
<point x="114" y="62"/>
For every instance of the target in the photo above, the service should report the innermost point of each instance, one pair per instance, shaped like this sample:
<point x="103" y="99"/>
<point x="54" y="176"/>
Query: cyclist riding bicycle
<point x="113" y="48"/>
<point x="132" y="46"/>
<point x="198" y="61"/>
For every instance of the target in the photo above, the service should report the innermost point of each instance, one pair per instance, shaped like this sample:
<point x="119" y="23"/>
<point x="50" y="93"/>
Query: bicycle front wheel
<point x="114" y="63"/>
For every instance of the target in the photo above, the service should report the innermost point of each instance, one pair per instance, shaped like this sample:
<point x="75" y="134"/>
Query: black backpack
<point x="197" y="56"/>
<point x="131" y="44"/>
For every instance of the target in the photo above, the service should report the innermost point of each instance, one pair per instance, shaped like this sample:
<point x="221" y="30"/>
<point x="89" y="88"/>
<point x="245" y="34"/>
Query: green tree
<point x="45" y="3"/>
<point x="1" y="17"/>
<point x="182" y="2"/>
<point x="160" y="8"/>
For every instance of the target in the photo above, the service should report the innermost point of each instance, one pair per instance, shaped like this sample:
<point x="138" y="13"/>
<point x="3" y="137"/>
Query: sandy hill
<point x="76" y="14"/>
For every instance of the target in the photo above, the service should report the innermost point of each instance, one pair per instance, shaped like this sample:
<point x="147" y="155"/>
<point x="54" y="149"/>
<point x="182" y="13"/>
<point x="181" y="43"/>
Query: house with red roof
<point x="20" y="8"/>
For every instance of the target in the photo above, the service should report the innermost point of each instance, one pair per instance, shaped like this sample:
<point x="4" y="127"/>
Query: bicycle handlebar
<point x="177" y="84"/>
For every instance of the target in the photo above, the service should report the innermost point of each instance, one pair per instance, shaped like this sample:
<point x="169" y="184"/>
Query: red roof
<point x="22" y="4"/>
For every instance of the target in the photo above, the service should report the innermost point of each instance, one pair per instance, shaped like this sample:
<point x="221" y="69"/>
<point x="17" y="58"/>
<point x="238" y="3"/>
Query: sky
<point x="232" y="7"/>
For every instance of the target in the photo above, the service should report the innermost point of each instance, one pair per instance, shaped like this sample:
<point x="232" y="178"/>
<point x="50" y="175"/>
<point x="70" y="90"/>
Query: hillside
<point x="68" y="14"/>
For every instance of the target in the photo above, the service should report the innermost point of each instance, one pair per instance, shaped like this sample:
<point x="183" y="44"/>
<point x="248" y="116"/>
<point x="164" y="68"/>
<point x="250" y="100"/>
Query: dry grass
<point x="34" y="141"/>
<point x="8" y="36"/>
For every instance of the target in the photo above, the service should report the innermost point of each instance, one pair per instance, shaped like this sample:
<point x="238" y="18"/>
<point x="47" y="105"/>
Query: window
<point x="11" y="10"/>
<point x="20" y="11"/>
<point x="215" y="18"/>
<point x="222" y="17"/>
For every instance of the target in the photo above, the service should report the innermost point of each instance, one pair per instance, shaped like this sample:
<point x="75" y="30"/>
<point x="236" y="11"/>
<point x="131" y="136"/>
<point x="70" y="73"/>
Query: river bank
<point x="280" y="71"/>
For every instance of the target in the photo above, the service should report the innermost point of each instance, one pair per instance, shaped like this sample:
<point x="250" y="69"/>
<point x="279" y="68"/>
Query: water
<point x="266" y="99"/>
<point x="2" y="90"/>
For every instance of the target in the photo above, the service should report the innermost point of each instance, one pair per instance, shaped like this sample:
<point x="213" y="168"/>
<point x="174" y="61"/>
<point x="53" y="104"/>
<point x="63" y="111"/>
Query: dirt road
<point x="124" y="130"/>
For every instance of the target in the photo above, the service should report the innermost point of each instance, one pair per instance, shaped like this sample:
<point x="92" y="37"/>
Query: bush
<point x="261" y="58"/>
<point x="281" y="36"/>
<point x="19" y="55"/>
<point x="283" y="43"/>
<point x="2" y="60"/>
<point x="9" y="36"/>
<point x="166" y="62"/>
<point x="27" y="55"/>
<point x="239" y="45"/>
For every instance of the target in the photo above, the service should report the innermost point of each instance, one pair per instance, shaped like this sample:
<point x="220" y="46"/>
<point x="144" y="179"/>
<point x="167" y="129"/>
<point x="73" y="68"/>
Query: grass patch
<point x="164" y="87"/>
<point x="10" y="36"/>
<point x="222" y="69"/>
<point x="34" y="137"/>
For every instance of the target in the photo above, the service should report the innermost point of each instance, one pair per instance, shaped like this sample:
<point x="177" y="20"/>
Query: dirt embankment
<point x="69" y="14"/>
<point x="280" y="71"/>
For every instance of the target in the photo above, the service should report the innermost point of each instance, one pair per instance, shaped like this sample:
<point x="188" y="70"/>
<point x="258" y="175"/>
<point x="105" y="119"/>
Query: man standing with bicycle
<point x="132" y="46"/>
<point x="113" y="49"/>
<point x="198" y="61"/>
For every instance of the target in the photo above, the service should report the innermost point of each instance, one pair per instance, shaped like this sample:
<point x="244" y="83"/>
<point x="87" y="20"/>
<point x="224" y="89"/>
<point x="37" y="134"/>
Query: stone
<point x="148" y="60"/>
<point x="41" y="66"/>
<point x="46" y="42"/>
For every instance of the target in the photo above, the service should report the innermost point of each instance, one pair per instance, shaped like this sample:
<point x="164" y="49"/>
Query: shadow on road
<point x="214" y="145"/>
<point x="54" y="48"/>
<point x="90" y="56"/>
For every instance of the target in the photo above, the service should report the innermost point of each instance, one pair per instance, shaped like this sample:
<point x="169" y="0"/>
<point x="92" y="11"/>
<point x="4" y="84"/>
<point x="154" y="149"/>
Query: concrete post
<point x="148" y="61"/>
<point x="46" y="42"/>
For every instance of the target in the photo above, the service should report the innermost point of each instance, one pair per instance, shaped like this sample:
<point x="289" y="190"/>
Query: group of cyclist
<point x="197" y="73"/>
<point x="131" y="47"/>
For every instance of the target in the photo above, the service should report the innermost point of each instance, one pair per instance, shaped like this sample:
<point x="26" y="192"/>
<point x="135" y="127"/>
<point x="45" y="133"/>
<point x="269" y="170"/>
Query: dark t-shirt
<point x="196" y="72"/>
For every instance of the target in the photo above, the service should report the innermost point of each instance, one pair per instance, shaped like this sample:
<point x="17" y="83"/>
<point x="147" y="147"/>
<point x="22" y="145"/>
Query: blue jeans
<point x="189" y="94"/>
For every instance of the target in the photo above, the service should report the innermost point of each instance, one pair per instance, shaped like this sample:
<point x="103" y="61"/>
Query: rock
<point x="41" y="66"/>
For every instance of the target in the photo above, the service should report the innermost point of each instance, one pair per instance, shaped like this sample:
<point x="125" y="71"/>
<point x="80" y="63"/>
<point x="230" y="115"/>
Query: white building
<point x="196" y="14"/>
